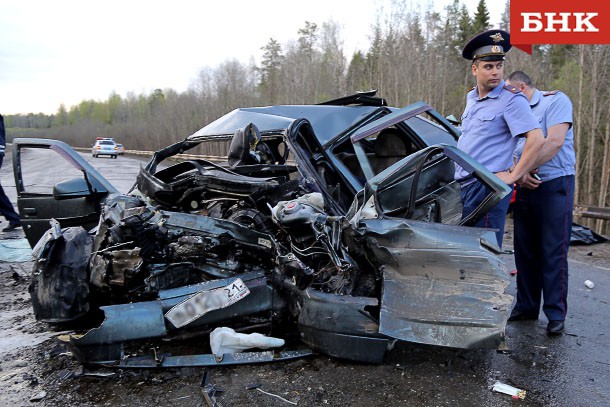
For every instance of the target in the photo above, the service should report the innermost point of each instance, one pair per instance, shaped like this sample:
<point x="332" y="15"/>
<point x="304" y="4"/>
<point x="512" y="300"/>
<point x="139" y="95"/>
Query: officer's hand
<point x="530" y="180"/>
<point x="506" y="176"/>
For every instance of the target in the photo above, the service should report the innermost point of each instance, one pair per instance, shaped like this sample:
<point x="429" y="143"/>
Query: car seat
<point x="390" y="147"/>
<point x="246" y="149"/>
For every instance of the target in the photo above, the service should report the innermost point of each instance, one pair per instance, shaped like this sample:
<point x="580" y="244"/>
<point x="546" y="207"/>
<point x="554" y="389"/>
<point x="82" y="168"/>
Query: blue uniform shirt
<point x="551" y="108"/>
<point x="491" y="126"/>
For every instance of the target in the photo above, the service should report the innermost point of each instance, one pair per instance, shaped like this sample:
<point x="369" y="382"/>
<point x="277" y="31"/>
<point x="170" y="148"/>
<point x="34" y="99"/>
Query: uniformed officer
<point x="543" y="211"/>
<point x="6" y="208"/>
<point x="496" y="115"/>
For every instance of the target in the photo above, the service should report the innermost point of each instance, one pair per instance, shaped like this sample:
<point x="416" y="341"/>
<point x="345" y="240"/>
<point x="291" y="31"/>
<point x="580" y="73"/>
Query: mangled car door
<point x="422" y="187"/>
<point x="443" y="283"/>
<point x="70" y="192"/>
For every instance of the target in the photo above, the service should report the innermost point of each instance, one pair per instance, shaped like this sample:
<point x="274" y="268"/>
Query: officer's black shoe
<point x="11" y="226"/>
<point x="517" y="315"/>
<point x="555" y="327"/>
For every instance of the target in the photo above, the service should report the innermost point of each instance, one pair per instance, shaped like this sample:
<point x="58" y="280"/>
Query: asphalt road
<point x="569" y="370"/>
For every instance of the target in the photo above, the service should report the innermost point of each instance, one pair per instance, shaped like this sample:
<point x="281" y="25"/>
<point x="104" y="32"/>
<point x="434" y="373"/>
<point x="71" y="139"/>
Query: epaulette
<point x="511" y="88"/>
<point x="471" y="89"/>
<point x="550" y="93"/>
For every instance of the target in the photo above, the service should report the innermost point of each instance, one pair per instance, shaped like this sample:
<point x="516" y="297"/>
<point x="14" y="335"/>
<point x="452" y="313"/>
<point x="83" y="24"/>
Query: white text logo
<point x="566" y="22"/>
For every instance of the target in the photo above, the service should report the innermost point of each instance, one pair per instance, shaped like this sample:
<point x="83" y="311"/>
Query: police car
<point x="105" y="146"/>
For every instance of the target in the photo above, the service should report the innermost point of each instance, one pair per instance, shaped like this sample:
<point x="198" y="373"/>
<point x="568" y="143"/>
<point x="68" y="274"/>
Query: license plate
<point x="203" y="302"/>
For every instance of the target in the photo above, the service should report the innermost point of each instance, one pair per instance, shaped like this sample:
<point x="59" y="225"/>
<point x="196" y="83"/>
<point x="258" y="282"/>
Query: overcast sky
<point x="66" y="51"/>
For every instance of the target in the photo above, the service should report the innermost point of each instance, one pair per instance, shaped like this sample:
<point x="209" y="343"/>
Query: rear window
<point x="107" y="143"/>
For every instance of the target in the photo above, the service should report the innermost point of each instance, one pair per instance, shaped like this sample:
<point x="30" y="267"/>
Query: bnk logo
<point x="581" y="22"/>
<point x="559" y="22"/>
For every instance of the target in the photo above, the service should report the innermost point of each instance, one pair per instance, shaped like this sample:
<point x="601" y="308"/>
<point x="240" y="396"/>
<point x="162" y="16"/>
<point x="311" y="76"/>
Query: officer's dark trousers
<point x="472" y="196"/>
<point x="543" y="225"/>
<point x="6" y="208"/>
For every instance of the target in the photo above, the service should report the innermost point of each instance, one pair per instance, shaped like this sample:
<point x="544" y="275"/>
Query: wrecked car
<point x="342" y="220"/>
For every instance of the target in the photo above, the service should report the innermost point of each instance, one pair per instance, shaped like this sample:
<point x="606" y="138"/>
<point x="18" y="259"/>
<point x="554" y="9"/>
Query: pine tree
<point x="270" y="75"/>
<point x="480" y="22"/>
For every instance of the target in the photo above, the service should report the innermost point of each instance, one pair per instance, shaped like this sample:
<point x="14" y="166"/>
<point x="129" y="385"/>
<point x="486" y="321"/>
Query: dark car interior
<point x="435" y="197"/>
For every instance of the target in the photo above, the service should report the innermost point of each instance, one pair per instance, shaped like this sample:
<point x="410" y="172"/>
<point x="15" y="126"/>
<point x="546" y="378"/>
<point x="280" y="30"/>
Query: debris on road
<point x="276" y="396"/>
<point x="15" y="250"/>
<point x="38" y="396"/>
<point x="226" y="340"/>
<point x="210" y="391"/>
<point x="510" y="390"/>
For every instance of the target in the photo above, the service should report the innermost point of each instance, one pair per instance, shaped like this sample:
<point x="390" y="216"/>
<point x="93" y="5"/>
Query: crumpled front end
<point x="197" y="246"/>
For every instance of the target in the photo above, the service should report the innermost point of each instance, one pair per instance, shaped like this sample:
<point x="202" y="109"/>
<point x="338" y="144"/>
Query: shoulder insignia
<point x="511" y="89"/>
<point x="550" y="93"/>
<point x="471" y="89"/>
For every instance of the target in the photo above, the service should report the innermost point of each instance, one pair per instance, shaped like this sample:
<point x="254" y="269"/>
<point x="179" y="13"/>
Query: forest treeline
<point x="412" y="55"/>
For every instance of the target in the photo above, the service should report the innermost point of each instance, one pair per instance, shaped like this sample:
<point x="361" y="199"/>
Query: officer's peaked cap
<point x="489" y="45"/>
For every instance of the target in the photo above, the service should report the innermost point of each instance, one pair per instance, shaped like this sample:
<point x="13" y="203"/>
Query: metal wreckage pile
<point x="254" y="246"/>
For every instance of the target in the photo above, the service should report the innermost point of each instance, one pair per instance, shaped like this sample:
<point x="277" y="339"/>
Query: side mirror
<point x="75" y="188"/>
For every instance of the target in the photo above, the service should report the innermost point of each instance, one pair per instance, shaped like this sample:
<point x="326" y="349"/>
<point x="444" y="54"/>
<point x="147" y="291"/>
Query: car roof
<point x="327" y="120"/>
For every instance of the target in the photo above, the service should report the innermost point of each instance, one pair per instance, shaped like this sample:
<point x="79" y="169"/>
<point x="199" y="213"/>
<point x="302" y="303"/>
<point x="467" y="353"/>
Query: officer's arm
<point x="556" y="135"/>
<point x="533" y="144"/>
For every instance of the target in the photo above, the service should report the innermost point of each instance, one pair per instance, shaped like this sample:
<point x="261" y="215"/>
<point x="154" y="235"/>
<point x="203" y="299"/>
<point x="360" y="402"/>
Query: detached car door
<point x="54" y="182"/>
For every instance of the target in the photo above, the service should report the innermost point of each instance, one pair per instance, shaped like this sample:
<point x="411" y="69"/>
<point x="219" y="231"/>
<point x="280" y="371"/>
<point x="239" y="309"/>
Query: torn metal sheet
<point x="207" y="360"/>
<point x="123" y="322"/>
<point x="342" y="326"/>
<point x="469" y="318"/>
<point x="442" y="291"/>
<point x="59" y="288"/>
<point x="126" y="322"/>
